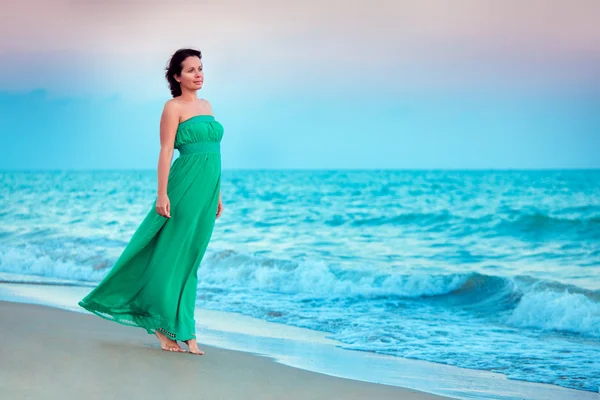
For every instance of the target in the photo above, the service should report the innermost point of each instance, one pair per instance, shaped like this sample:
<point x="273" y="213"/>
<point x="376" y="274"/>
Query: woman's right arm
<point x="169" y="121"/>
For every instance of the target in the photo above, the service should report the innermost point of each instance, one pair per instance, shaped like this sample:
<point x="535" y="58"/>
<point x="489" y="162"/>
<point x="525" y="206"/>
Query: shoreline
<point x="302" y="349"/>
<point x="61" y="353"/>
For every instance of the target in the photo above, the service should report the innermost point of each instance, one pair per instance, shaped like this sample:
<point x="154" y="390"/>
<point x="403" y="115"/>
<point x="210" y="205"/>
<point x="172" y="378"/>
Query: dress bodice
<point x="199" y="128"/>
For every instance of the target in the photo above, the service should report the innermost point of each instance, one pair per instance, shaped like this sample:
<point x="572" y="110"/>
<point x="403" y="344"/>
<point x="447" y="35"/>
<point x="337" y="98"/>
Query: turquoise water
<point x="493" y="270"/>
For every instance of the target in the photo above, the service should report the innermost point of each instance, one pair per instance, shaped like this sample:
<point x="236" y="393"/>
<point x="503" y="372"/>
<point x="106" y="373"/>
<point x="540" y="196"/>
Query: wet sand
<point x="50" y="353"/>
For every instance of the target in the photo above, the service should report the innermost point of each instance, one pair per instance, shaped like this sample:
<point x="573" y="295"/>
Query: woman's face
<point x="192" y="75"/>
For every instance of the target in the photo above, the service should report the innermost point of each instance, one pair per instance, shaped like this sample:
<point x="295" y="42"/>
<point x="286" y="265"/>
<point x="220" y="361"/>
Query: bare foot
<point x="193" y="345"/>
<point x="168" y="344"/>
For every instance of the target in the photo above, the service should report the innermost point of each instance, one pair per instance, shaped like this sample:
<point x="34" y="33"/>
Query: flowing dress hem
<point x="149" y="322"/>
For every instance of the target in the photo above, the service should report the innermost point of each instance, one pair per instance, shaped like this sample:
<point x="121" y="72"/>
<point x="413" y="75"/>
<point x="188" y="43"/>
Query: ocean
<point x="486" y="270"/>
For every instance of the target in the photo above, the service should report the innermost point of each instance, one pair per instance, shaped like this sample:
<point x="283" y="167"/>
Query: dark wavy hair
<point x="175" y="66"/>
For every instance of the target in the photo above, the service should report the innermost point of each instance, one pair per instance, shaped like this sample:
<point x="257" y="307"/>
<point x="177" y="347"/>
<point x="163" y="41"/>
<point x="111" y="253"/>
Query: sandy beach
<point x="49" y="353"/>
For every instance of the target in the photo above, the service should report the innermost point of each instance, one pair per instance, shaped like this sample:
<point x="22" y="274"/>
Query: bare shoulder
<point x="170" y="114"/>
<point x="207" y="106"/>
<point x="171" y="106"/>
<point x="171" y="109"/>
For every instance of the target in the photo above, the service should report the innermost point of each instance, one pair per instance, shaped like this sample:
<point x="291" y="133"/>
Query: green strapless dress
<point x="153" y="283"/>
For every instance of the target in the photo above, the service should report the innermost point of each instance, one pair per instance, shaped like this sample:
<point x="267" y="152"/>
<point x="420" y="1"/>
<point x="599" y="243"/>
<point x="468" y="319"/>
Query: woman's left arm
<point x="220" y="205"/>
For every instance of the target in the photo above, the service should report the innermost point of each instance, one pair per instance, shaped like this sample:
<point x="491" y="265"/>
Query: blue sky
<point x="469" y="87"/>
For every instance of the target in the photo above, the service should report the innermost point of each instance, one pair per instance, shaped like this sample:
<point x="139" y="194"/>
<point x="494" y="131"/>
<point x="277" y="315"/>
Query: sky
<point x="459" y="84"/>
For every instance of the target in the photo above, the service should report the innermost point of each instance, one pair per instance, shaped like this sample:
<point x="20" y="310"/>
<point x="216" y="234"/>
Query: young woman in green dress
<point x="153" y="283"/>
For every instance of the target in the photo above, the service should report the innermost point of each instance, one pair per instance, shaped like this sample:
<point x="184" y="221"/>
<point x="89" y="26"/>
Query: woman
<point x="153" y="282"/>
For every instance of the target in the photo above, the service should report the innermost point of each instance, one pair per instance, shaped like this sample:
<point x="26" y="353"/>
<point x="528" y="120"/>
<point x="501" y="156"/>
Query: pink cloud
<point x="380" y="42"/>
